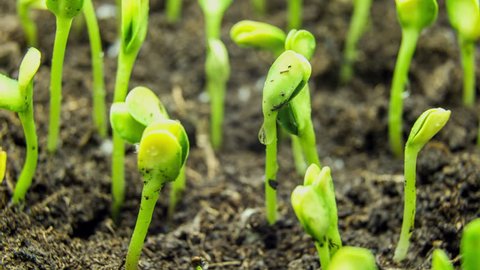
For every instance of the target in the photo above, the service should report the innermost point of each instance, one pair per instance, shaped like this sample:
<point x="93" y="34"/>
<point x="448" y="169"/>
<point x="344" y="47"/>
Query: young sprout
<point x="285" y="80"/>
<point x="3" y="164"/>
<point x="294" y="14"/>
<point x="64" y="11"/>
<point x="213" y="11"/>
<point x="316" y="209"/>
<point x="353" y="258"/>
<point x="259" y="35"/>
<point x="162" y="153"/>
<point x="426" y="126"/>
<point x="464" y="16"/>
<point x="414" y="16"/>
<point x="28" y="25"/>
<point x="173" y="10"/>
<point x="358" y="24"/>
<point x="17" y="96"/>
<point x="470" y="246"/>
<point x="217" y="69"/>
<point x="134" y="25"/>
<point x="440" y="260"/>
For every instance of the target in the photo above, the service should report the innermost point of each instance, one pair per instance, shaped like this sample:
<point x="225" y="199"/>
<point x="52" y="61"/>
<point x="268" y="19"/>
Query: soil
<point x="65" y="222"/>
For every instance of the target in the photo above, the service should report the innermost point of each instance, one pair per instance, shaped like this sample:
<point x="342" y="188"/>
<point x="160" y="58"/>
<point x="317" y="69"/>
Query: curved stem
<point x="150" y="195"/>
<point x="294" y="14"/>
<point x="323" y="254"/>
<point x="216" y="91"/>
<point x="271" y="168"/>
<point x="173" y="9"/>
<point x="28" y="25"/>
<point x="99" y="110"/>
<point x="61" y="38"/>
<point x="467" y="49"/>
<point x="400" y="76"/>
<point x="409" y="204"/>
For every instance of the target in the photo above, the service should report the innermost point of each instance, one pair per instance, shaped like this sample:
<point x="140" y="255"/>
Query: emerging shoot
<point x="426" y="126"/>
<point x="440" y="260"/>
<point x="353" y="258"/>
<point x="316" y="209"/>
<point x="464" y="16"/>
<point x="17" y="96"/>
<point x="414" y="16"/>
<point x="470" y="246"/>
<point x="28" y="25"/>
<point x="213" y="11"/>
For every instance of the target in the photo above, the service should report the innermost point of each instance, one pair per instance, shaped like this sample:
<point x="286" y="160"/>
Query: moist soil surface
<point x="65" y="222"/>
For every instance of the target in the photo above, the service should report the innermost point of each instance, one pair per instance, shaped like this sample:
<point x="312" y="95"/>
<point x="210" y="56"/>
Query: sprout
<point x="213" y="11"/>
<point x="316" y="209"/>
<point x="17" y="96"/>
<point x="162" y="154"/>
<point x="64" y="11"/>
<point x="258" y="35"/>
<point x="470" y="246"/>
<point x="440" y="260"/>
<point x="426" y="126"/>
<point x="134" y="25"/>
<point x="173" y="10"/>
<point x="3" y="164"/>
<point x="294" y="14"/>
<point x="217" y="69"/>
<point x="464" y="16"/>
<point x="414" y="16"/>
<point x="353" y="258"/>
<point x="28" y="25"/>
<point x="358" y="24"/>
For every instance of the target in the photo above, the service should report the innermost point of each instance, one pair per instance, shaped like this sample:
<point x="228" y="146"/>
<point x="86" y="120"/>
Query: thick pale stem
<point x="323" y="254"/>
<point x="213" y="26"/>
<point x="61" y="38"/>
<point x="294" y="14"/>
<point x="99" y="110"/>
<point x="216" y="91"/>
<point x="309" y="145"/>
<point x="178" y="186"/>
<point x="298" y="158"/>
<point x="409" y="204"/>
<point x="173" y="9"/>
<point x="467" y="49"/>
<point x="400" y="77"/>
<point x="28" y="25"/>
<point x="271" y="168"/>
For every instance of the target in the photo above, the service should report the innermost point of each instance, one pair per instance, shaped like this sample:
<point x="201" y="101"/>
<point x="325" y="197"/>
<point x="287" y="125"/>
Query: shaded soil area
<point x="65" y="222"/>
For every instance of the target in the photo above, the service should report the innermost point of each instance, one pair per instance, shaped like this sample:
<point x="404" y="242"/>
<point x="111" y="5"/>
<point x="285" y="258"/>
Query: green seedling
<point x="286" y="78"/>
<point x="414" y="16"/>
<point x="173" y="10"/>
<point x="130" y="118"/>
<point x="440" y="260"/>
<point x="470" y="246"/>
<point x="134" y="25"/>
<point x="259" y="35"/>
<point x="358" y="25"/>
<point x="217" y="69"/>
<point x="28" y="25"/>
<point x="426" y="126"/>
<point x="17" y="96"/>
<point x="3" y="164"/>
<point x="259" y="6"/>
<point x="64" y="11"/>
<point x="353" y="258"/>
<point x="316" y="209"/>
<point x="295" y="14"/>
<point x="213" y="11"/>
<point x="162" y="153"/>
<point x="464" y="16"/>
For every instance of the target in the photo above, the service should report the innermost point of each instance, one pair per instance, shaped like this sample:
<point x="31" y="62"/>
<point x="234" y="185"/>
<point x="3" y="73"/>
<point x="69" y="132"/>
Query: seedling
<point x="414" y="16"/>
<point x="316" y="209"/>
<point x="217" y="69"/>
<point x="213" y="11"/>
<point x="259" y="35"/>
<point x="426" y="126"/>
<point x="440" y="260"/>
<point x="17" y="96"/>
<point x="358" y="24"/>
<point x="173" y="10"/>
<point x="3" y="164"/>
<point x="162" y="153"/>
<point x="134" y="30"/>
<point x="464" y="16"/>
<point x="470" y="246"/>
<point x="353" y="258"/>
<point x="295" y="14"/>
<point x="64" y="11"/>
<point x="130" y="118"/>
<point x="28" y="25"/>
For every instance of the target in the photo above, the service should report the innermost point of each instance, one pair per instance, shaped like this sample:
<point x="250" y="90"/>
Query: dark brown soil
<point x="66" y="224"/>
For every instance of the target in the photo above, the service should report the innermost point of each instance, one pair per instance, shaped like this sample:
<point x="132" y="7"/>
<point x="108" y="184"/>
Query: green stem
<point x="467" y="49"/>
<point x="216" y="91"/>
<point x="259" y="6"/>
<point x="150" y="195"/>
<point x="28" y="171"/>
<point x="323" y="254"/>
<point x="358" y="23"/>
<point x="178" y="186"/>
<point x="61" y="38"/>
<point x="213" y="24"/>
<point x="309" y="146"/>
<point x="400" y="77"/>
<point x="29" y="27"/>
<point x="271" y="168"/>
<point x="173" y="8"/>
<point x="294" y="14"/>
<point x="409" y="204"/>
<point x="298" y="158"/>
<point x="99" y="110"/>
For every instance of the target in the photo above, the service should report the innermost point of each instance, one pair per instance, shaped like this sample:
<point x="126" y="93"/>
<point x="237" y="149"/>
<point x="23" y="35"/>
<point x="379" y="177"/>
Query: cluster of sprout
<point x="138" y="117"/>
